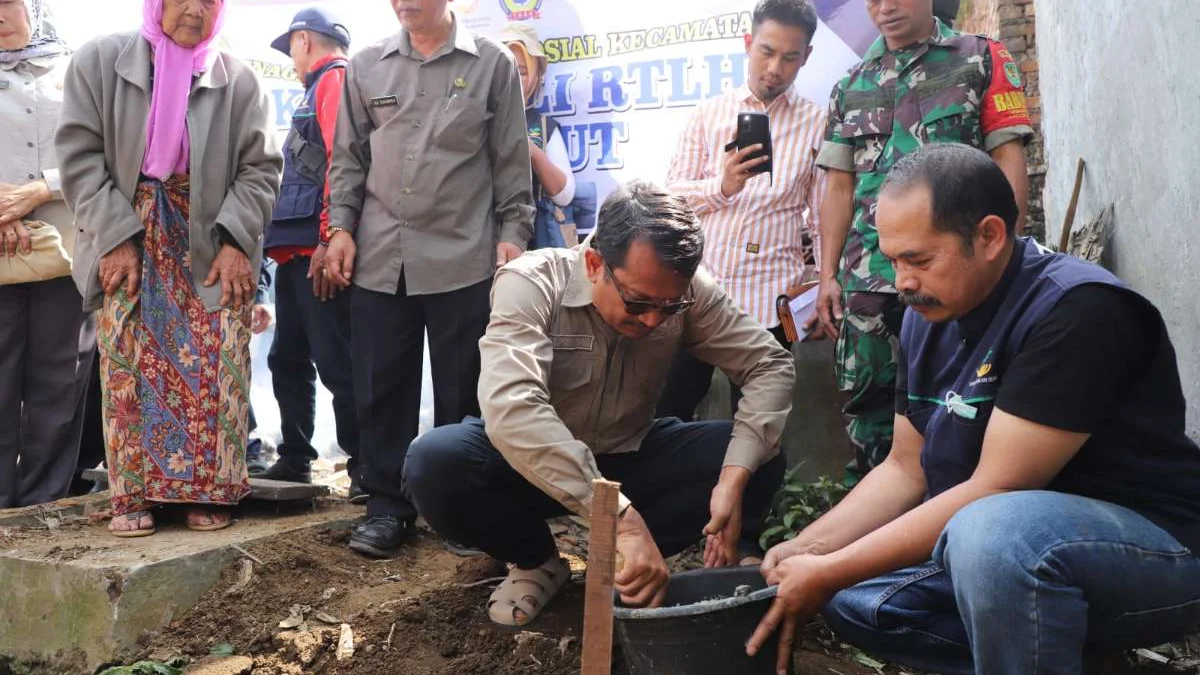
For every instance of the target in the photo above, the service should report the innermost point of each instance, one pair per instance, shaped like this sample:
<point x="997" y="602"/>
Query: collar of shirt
<point x="579" y="289"/>
<point x="975" y="323"/>
<point x="38" y="66"/>
<point x="461" y="38"/>
<point x="745" y="95"/>
<point x="135" y="62"/>
<point x="324" y="61"/>
<point x="941" y="36"/>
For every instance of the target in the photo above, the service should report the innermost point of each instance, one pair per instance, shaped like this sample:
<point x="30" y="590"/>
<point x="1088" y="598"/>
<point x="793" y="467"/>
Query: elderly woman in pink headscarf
<point x="169" y="163"/>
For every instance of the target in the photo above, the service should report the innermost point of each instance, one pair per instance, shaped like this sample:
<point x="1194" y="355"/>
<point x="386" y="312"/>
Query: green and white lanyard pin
<point x="956" y="404"/>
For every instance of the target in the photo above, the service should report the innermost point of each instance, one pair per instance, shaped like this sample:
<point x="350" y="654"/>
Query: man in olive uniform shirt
<point x="920" y="83"/>
<point x="429" y="194"/>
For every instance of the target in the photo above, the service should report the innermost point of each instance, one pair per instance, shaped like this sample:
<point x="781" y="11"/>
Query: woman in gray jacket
<point x="46" y="339"/>
<point x="170" y="165"/>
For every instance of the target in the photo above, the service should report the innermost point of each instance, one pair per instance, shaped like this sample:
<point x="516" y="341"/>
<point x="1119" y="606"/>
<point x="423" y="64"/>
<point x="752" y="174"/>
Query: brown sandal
<point x="134" y="517"/>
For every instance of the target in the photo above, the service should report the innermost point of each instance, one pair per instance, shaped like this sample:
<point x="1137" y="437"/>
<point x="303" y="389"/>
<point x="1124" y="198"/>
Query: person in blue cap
<point x="312" y="332"/>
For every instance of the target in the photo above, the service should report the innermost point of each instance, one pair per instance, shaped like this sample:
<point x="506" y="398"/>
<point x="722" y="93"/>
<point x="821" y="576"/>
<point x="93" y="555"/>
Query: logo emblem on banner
<point x="520" y="10"/>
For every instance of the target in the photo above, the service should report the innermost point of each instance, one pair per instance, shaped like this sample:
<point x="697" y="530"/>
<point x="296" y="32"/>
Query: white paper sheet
<point x="803" y="306"/>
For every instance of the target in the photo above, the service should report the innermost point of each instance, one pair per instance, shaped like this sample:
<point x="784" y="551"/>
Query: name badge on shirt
<point x="384" y="101"/>
<point x="751" y="248"/>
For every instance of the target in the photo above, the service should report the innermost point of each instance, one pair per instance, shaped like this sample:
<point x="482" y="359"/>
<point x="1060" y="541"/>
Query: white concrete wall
<point x="1121" y="88"/>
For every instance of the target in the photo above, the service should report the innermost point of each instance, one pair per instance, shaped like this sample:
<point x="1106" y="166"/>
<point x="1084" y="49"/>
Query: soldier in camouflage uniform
<point x="921" y="82"/>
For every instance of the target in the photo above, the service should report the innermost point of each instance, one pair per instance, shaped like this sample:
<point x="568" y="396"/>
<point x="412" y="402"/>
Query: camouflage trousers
<point x="865" y="367"/>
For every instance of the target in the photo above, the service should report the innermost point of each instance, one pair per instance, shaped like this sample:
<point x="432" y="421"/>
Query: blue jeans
<point x="1024" y="583"/>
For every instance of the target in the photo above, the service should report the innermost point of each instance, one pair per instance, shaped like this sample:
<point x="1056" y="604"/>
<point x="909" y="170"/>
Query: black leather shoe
<point x="288" y="470"/>
<point x="381" y="536"/>
<point x="357" y="494"/>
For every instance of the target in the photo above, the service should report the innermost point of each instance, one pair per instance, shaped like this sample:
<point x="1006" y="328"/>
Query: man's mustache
<point x="913" y="299"/>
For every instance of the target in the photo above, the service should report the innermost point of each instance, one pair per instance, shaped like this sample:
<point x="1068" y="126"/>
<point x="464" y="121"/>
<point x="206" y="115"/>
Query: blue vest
<point x="1142" y="459"/>
<point x="297" y="217"/>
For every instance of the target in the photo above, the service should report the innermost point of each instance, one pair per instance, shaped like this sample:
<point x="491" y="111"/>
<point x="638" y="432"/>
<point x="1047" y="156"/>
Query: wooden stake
<point x="598" y="590"/>
<point x="1064" y="240"/>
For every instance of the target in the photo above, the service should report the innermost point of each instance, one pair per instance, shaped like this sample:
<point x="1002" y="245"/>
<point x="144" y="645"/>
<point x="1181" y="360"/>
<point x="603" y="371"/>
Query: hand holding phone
<point x="753" y="152"/>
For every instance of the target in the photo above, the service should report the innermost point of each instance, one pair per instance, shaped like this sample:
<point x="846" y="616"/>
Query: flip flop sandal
<point x="134" y="517"/>
<point x="213" y="525"/>
<point x="527" y="591"/>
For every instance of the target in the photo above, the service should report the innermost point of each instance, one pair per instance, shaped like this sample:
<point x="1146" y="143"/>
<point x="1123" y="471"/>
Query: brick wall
<point x="1014" y="23"/>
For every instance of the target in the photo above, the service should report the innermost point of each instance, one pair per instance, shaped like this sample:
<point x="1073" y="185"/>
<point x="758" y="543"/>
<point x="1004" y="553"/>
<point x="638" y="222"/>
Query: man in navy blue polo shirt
<point x="1041" y="498"/>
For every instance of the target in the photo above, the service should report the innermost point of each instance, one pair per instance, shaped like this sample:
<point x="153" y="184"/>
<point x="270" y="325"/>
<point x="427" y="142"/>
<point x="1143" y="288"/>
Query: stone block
<point x="1014" y="44"/>
<point x="74" y="588"/>
<point x="1011" y="11"/>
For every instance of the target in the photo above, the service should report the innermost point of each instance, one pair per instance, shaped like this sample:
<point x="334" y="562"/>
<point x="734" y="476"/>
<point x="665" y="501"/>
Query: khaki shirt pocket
<point x="573" y="361"/>
<point x="384" y="109"/>
<point x="460" y="125"/>
<point x="869" y="130"/>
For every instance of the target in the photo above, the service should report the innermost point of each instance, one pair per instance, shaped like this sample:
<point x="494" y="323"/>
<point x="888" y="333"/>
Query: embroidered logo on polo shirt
<point x="983" y="374"/>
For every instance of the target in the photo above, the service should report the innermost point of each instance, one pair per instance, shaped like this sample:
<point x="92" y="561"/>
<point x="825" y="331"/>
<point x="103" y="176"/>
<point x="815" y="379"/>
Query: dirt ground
<point x="422" y="613"/>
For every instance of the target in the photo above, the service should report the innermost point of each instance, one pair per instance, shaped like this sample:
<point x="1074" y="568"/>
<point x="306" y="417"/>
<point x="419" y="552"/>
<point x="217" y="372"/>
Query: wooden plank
<point x="1064" y="239"/>
<point x="260" y="488"/>
<point x="598" y="589"/>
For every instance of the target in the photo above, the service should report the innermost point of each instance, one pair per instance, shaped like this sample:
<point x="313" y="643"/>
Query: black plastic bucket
<point x="702" y="627"/>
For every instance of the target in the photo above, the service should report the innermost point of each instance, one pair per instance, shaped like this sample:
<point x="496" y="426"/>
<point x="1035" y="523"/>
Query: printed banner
<point x="623" y="78"/>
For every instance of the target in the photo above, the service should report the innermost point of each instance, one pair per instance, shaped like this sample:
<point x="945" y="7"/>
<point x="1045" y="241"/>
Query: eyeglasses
<point x="636" y="307"/>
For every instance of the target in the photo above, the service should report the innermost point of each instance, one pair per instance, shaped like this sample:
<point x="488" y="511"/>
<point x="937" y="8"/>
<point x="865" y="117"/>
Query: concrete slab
<point x="260" y="488"/>
<point x="69" y="586"/>
<point x="814" y="438"/>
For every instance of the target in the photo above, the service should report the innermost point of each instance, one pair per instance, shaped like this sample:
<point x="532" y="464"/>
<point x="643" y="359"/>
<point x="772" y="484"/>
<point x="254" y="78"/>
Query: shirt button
<point x="29" y="144"/>
<point x="408" y="191"/>
<point x="29" y="111"/>
<point x="417" y="125"/>
<point x="408" y="157"/>
<point x="30" y="176"/>
<point x="421" y="93"/>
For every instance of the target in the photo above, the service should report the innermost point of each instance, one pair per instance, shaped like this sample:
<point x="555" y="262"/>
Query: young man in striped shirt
<point x="753" y="223"/>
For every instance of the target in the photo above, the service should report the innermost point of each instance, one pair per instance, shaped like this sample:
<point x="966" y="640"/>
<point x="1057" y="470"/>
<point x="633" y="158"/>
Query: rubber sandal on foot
<point x="527" y="591"/>
<point x="135" y="517"/>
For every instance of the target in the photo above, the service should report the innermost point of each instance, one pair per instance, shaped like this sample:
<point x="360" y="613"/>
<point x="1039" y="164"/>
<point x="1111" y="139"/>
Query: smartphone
<point x="752" y="128"/>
